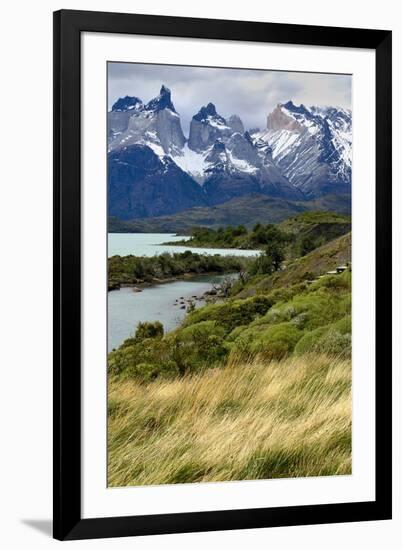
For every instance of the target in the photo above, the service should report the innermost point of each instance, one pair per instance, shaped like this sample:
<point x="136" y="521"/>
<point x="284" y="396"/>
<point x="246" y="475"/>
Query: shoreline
<point x="156" y="281"/>
<point x="206" y="245"/>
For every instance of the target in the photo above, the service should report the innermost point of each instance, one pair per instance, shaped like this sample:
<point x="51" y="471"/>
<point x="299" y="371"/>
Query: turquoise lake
<point x="163" y="302"/>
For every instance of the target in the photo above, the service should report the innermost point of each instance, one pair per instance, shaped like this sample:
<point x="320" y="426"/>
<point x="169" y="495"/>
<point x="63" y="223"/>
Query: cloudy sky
<point x="251" y="94"/>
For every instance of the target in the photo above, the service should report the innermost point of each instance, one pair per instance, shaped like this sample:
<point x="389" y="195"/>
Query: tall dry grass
<point x="246" y="421"/>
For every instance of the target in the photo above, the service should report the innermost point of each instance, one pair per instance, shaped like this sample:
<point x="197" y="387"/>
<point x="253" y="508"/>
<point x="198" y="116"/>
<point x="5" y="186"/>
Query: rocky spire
<point x="127" y="103"/>
<point x="279" y="120"/>
<point x="162" y="101"/>
<point x="208" y="111"/>
<point x="234" y="122"/>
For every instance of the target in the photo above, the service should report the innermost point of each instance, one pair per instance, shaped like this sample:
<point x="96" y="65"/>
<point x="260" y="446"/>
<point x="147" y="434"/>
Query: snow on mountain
<point x="216" y="145"/>
<point x="305" y="152"/>
<point x="192" y="162"/>
<point x="155" y="124"/>
<point x="311" y="146"/>
<point x="206" y="127"/>
<point x="126" y="104"/>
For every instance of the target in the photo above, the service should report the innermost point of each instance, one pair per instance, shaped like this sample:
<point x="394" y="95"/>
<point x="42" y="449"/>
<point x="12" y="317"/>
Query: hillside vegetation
<point x="133" y="270"/>
<point x="298" y="319"/>
<point x="256" y="385"/>
<point x="314" y="264"/>
<point x="302" y="233"/>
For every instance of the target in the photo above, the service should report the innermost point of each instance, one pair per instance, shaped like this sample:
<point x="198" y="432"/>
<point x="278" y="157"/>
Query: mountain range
<point x="154" y="170"/>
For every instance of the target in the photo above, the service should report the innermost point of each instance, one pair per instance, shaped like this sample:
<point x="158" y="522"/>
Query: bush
<point x="309" y="310"/>
<point x="270" y="261"/>
<point x="310" y="341"/>
<point x="273" y="342"/>
<point x="197" y="346"/>
<point x="149" y="330"/>
<point x="231" y="337"/>
<point x="233" y="313"/>
<point x="143" y="371"/>
<point x="335" y="343"/>
<point x="149" y="350"/>
<point x="277" y="341"/>
<point x="334" y="339"/>
<point x="344" y="325"/>
<point x="335" y="282"/>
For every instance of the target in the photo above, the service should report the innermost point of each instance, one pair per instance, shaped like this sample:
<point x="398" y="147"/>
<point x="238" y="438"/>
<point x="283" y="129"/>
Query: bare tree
<point x="224" y="286"/>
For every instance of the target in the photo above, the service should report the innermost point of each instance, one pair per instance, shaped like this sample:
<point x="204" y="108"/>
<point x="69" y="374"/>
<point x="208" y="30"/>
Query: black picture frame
<point x="68" y="522"/>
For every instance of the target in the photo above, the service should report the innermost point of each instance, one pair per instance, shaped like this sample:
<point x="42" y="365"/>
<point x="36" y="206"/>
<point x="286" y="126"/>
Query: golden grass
<point x="290" y="418"/>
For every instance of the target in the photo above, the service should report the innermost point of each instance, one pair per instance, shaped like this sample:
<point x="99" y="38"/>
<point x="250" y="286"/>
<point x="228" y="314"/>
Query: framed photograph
<point x="222" y="341"/>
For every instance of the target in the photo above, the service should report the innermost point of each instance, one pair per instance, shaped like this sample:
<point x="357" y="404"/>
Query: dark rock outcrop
<point x="140" y="185"/>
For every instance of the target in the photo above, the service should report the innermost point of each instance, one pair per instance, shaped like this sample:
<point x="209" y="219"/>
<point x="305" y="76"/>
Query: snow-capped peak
<point x="162" y="101"/>
<point x="155" y="124"/>
<point x="304" y="151"/>
<point x="311" y="145"/>
<point x="127" y="103"/>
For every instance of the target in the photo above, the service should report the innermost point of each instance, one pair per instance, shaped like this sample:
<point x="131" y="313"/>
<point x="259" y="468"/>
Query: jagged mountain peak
<point x="311" y="145"/>
<point x="305" y="152"/>
<point x="127" y="103"/>
<point x="206" y="127"/>
<point x="235" y="122"/>
<point x="156" y="125"/>
<point x="206" y="112"/>
<point x="290" y="106"/>
<point x="162" y="101"/>
<point x="280" y="119"/>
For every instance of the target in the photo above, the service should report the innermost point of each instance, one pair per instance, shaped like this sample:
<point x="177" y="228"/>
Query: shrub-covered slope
<point x="254" y="386"/>
<point x="324" y="258"/>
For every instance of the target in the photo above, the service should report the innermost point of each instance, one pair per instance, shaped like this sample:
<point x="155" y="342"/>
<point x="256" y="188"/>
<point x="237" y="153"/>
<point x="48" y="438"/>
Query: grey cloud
<point x="251" y="94"/>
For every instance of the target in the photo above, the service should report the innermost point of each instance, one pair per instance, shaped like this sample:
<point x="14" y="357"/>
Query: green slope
<point x="325" y="258"/>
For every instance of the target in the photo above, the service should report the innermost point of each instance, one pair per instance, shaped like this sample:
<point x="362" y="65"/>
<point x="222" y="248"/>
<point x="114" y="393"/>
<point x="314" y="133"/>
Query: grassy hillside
<point x="325" y="258"/>
<point x="289" y="418"/>
<point x="244" y="210"/>
<point x="310" y="230"/>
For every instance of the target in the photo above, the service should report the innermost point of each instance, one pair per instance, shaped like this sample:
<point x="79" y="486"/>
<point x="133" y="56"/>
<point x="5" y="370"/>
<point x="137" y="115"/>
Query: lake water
<point x="127" y="308"/>
<point x="149" y="244"/>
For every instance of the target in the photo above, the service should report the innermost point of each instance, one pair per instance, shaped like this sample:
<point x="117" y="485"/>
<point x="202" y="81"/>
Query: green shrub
<point x="310" y="341"/>
<point x="143" y="371"/>
<point x="335" y="343"/>
<point x="308" y="310"/>
<point x="197" y="346"/>
<point x="232" y="313"/>
<point x="334" y="339"/>
<point x="149" y="330"/>
<point x="273" y="342"/>
<point x="277" y="341"/>
<point x="336" y="283"/>
<point x="344" y="325"/>
<point x="231" y="337"/>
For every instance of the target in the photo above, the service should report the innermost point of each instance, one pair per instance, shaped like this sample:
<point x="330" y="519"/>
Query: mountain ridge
<point x="241" y="210"/>
<point x="303" y="154"/>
